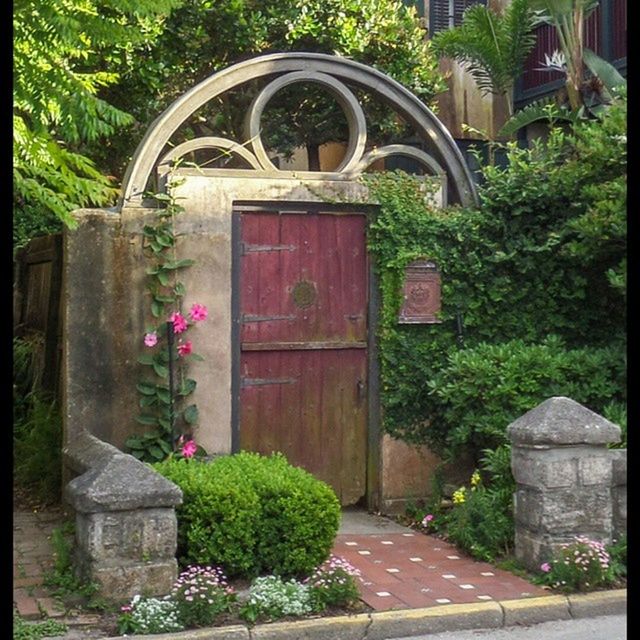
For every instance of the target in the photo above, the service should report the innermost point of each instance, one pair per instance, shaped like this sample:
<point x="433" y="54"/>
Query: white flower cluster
<point x="275" y="597"/>
<point x="154" y="615"/>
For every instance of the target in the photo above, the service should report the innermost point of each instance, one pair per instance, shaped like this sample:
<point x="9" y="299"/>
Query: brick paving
<point x="33" y="557"/>
<point x="413" y="570"/>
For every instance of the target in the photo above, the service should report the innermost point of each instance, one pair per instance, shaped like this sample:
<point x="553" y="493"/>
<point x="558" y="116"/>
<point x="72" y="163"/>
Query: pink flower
<point x="198" y="312"/>
<point x="126" y="608"/>
<point x="151" y="339"/>
<point x="427" y="519"/>
<point x="546" y="567"/>
<point x="184" y="348"/>
<point x="189" y="449"/>
<point x="179" y="322"/>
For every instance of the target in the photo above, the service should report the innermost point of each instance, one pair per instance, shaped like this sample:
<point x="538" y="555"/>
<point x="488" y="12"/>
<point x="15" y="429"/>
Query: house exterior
<point x="605" y="34"/>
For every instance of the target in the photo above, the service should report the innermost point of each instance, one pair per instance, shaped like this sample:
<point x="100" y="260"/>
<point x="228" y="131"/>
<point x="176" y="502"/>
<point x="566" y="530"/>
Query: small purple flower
<point x="546" y="567"/>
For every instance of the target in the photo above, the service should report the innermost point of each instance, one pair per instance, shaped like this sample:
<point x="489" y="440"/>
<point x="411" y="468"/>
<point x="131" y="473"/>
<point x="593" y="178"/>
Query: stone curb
<point x="382" y="625"/>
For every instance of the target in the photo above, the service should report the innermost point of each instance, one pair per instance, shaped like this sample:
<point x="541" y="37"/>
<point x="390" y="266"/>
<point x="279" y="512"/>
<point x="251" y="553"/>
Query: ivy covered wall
<point x="537" y="273"/>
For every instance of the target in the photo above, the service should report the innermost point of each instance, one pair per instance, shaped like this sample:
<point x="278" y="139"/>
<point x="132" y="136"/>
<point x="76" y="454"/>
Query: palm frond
<point x="545" y="109"/>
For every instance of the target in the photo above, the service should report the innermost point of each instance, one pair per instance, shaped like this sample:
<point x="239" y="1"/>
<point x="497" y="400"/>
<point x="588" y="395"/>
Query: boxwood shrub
<point x="253" y="514"/>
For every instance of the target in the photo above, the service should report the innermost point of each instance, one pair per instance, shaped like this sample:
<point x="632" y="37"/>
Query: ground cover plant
<point x="585" y="565"/>
<point x="202" y="596"/>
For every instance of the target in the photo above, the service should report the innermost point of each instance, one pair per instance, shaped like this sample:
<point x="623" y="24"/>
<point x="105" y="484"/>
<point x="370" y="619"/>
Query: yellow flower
<point x="475" y="479"/>
<point x="458" y="496"/>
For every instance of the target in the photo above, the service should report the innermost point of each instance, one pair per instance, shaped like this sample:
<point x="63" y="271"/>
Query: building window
<point x="445" y="14"/>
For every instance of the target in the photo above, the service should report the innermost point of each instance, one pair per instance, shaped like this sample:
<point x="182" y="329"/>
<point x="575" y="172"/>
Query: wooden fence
<point x="36" y="304"/>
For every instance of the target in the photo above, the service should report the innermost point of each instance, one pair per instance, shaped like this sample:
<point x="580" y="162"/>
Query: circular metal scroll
<point x="352" y="110"/>
<point x="331" y="72"/>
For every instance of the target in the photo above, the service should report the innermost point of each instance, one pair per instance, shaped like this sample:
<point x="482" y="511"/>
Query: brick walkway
<point x="413" y="570"/>
<point x="32" y="558"/>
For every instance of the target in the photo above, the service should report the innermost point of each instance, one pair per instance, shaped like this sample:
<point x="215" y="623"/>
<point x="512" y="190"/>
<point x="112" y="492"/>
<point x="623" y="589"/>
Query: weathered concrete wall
<point x="103" y="316"/>
<point x="619" y="492"/>
<point x="106" y="311"/>
<point x="406" y="473"/>
<point x="564" y="478"/>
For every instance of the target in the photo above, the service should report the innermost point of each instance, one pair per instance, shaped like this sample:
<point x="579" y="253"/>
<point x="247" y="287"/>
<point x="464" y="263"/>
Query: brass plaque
<point x="421" y="293"/>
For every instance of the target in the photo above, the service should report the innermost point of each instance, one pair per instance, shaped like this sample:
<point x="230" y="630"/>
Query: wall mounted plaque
<point x="421" y="293"/>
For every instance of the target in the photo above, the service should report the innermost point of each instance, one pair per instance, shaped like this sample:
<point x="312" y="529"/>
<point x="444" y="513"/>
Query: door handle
<point x="361" y="390"/>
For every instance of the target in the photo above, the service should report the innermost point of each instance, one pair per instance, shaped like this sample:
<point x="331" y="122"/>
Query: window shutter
<point x="444" y="14"/>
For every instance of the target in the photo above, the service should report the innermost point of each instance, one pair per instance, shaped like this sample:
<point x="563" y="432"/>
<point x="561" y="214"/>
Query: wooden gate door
<point x="303" y="343"/>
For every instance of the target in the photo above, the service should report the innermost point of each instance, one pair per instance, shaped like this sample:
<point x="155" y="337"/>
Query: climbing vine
<point x="165" y="386"/>
<point x="510" y="279"/>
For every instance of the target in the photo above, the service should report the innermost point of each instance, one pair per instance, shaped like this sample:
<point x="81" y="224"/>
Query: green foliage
<point x="546" y="109"/>
<point x="616" y="412"/>
<point x="492" y="46"/>
<point x="37" y="448"/>
<point x="62" y="580"/>
<point x="480" y="525"/>
<point x="617" y="551"/>
<point x="250" y="514"/>
<point x="64" y="54"/>
<point x="163" y="407"/>
<point x="542" y="256"/>
<point x="23" y="630"/>
<point x="483" y="389"/>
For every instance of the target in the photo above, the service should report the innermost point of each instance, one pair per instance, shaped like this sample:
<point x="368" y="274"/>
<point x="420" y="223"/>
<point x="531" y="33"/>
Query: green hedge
<point x="482" y="390"/>
<point x="544" y="254"/>
<point x="252" y="514"/>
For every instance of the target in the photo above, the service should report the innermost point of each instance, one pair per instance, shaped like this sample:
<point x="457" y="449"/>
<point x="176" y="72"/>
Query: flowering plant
<point x="149" y="615"/>
<point x="166" y="350"/>
<point x="334" y="584"/>
<point x="582" y="565"/>
<point x="201" y="594"/>
<point x="271" y="597"/>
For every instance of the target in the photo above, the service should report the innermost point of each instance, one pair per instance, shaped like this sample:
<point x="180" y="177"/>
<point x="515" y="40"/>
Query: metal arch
<point x="399" y="150"/>
<point x="441" y="144"/>
<point x="207" y="142"/>
<point x="403" y="150"/>
<point x="352" y="109"/>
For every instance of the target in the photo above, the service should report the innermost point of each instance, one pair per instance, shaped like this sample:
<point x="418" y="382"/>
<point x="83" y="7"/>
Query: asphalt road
<point x="602" y="628"/>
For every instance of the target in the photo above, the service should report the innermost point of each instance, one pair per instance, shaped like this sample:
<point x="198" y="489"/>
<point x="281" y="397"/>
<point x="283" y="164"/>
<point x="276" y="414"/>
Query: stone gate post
<point x="563" y="473"/>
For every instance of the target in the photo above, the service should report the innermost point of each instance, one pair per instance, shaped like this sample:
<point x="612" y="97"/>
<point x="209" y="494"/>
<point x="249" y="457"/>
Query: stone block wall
<point x="126" y="526"/>
<point x="568" y="483"/>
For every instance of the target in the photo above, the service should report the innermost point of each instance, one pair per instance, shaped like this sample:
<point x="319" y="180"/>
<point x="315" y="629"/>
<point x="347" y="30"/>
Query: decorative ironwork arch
<point x="441" y="157"/>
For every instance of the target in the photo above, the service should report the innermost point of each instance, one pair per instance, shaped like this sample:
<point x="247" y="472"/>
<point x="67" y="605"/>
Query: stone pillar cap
<point x="122" y="483"/>
<point x="562" y="421"/>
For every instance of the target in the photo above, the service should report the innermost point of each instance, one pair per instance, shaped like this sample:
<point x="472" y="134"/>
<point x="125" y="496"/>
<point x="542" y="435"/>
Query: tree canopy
<point x="202" y="37"/>
<point x="65" y="53"/>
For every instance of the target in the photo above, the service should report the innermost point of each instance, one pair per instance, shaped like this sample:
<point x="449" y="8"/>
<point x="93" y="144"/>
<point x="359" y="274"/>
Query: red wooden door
<point x="303" y="343"/>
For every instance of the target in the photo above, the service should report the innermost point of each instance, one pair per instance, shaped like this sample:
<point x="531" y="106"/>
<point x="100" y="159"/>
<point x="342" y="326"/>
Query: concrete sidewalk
<point x="414" y="583"/>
